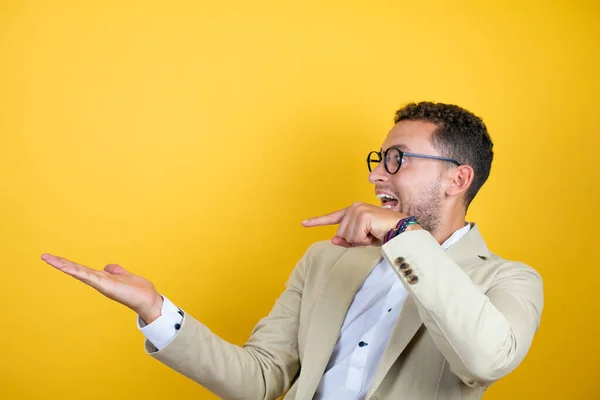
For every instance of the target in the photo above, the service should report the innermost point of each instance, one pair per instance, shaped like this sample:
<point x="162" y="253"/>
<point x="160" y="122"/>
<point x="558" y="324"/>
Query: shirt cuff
<point x="164" y="329"/>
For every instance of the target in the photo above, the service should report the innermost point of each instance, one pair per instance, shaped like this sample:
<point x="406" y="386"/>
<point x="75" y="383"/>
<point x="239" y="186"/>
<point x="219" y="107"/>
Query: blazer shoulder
<point x="505" y="268"/>
<point x="321" y="256"/>
<point x="324" y="248"/>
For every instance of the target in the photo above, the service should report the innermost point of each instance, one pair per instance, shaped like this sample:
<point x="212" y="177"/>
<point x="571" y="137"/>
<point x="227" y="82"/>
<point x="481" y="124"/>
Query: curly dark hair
<point x="460" y="135"/>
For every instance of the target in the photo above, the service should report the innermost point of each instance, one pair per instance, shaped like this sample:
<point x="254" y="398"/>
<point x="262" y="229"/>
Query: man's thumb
<point x="116" y="269"/>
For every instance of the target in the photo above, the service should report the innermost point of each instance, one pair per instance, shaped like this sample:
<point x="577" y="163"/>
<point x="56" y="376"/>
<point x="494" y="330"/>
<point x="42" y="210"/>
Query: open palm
<point x="116" y="283"/>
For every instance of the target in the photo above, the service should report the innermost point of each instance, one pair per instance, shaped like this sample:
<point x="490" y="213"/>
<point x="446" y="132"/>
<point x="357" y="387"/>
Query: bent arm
<point x="483" y="336"/>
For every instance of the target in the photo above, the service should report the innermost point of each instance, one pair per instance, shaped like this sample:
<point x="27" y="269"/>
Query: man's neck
<point x="447" y="228"/>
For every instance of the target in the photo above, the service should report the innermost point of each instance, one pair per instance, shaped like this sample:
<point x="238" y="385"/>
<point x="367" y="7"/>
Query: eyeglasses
<point x="392" y="159"/>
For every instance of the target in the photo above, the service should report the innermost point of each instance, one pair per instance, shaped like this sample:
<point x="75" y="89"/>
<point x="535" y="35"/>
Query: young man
<point x="405" y="302"/>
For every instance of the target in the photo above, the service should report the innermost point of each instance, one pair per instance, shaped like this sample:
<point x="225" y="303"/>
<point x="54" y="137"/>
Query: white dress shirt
<point x="363" y="336"/>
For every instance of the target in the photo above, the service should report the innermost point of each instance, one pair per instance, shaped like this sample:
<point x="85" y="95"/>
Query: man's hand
<point x="360" y="224"/>
<point x="117" y="284"/>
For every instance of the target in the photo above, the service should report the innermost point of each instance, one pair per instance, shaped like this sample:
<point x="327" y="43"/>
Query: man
<point x="405" y="302"/>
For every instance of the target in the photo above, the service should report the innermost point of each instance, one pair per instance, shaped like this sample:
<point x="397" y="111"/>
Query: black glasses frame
<point x="402" y="154"/>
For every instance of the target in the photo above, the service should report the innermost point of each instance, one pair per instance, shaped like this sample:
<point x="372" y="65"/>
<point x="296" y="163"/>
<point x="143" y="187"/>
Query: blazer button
<point x="407" y="272"/>
<point x="412" y="279"/>
<point x="403" y="266"/>
<point x="399" y="261"/>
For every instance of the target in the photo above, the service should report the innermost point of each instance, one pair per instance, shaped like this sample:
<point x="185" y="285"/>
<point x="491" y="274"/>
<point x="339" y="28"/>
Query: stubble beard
<point x="426" y="206"/>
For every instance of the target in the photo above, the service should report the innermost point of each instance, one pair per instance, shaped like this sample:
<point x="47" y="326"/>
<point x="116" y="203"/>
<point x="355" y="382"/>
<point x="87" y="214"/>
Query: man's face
<point x="418" y="187"/>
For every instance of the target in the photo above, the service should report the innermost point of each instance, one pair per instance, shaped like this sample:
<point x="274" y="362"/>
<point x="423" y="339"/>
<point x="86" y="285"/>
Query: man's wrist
<point x="400" y="227"/>
<point x="154" y="312"/>
<point x="413" y="227"/>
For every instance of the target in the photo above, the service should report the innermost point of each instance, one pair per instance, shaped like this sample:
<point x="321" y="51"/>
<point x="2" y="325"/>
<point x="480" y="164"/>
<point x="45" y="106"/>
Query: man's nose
<point x="379" y="174"/>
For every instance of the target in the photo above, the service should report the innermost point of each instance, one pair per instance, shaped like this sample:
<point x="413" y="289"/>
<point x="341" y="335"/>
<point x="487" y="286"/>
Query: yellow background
<point x="187" y="140"/>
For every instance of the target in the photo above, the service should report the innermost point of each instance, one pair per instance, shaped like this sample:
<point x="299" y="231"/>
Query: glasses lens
<point x="393" y="159"/>
<point x="373" y="159"/>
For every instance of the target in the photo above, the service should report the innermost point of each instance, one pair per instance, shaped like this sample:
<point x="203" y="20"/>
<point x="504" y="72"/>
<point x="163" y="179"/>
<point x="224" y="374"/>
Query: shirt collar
<point x="456" y="236"/>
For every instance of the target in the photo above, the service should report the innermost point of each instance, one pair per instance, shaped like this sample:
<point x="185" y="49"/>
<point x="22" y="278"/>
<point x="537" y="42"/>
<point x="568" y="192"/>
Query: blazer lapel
<point x="345" y="278"/>
<point x="470" y="250"/>
<point x="406" y="326"/>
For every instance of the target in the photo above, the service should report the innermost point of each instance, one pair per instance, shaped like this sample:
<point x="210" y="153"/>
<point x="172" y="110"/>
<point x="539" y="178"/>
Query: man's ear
<point x="461" y="179"/>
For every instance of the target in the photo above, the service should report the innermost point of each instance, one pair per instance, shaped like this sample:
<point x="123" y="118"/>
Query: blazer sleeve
<point x="483" y="336"/>
<point x="263" y="368"/>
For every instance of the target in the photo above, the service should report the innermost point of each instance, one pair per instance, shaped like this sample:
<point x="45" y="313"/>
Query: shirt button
<point x="389" y="310"/>
<point x="177" y="326"/>
<point x="362" y="344"/>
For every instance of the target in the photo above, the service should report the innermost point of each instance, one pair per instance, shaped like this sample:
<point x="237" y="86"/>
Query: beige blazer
<point x="469" y="319"/>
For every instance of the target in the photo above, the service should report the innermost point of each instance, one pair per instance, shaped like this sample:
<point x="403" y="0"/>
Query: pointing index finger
<point x="327" y="219"/>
